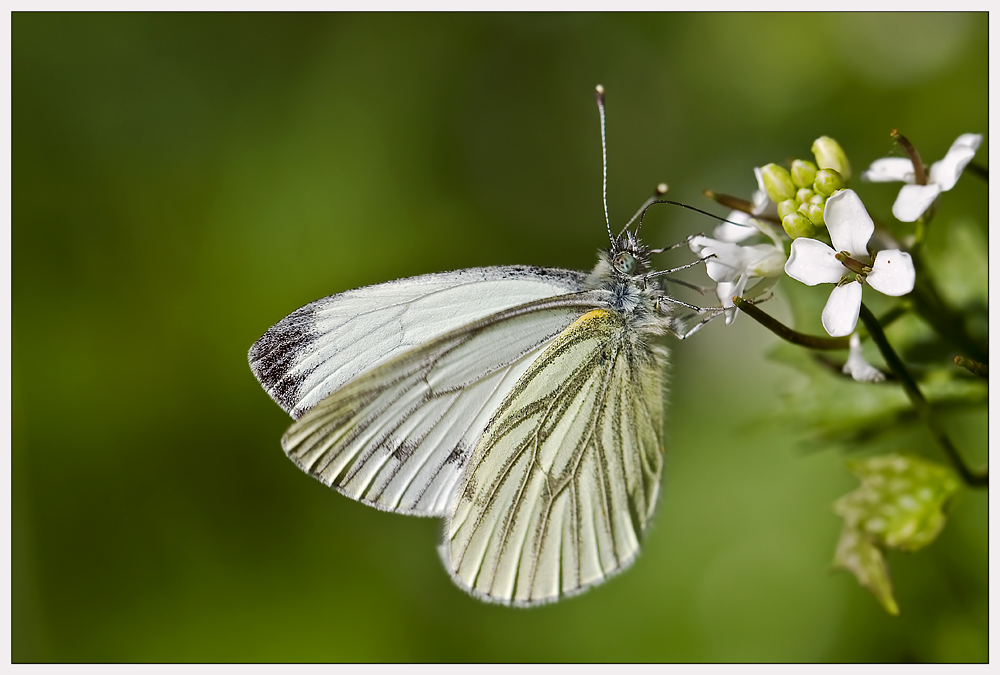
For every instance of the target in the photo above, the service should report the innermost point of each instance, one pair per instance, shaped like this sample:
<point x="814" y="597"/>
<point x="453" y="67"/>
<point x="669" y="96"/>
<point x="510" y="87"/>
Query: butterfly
<point x="524" y="405"/>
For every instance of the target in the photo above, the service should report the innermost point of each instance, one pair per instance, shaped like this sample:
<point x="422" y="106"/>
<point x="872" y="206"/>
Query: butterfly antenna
<point x="661" y="190"/>
<point x="604" y="153"/>
<point x="652" y="201"/>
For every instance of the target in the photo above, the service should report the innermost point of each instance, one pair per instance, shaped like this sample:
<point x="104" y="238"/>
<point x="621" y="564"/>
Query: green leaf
<point x="859" y="556"/>
<point x="899" y="504"/>
<point x="900" y="501"/>
<point x="957" y="256"/>
<point x="833" y="408"/>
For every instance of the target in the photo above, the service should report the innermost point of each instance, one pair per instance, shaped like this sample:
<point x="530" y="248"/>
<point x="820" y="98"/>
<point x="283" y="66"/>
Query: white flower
<point x="813" y="262"/>
<point x="732" y="266"/>
<point x="913" y="199"/>
<point x="857" y="367"/>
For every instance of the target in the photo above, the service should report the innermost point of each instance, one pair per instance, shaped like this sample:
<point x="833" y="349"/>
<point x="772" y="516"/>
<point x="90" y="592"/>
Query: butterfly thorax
<point x="622" y="272"/>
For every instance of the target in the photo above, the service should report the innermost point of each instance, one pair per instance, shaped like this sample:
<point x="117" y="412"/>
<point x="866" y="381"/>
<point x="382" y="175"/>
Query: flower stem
<point x="974" y="367"/>
<point x="919" y="233"/>
<point x="978" y="171"/>
<point x="971" y="478"/>
<point x="729" y="201"/>
<point x="919" y="171"/>
<point x="949" y="324"/>
<point x="786" y="333"/>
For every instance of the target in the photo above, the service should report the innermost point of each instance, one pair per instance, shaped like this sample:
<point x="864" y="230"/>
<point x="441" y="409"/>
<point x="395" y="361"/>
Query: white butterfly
<point x="522" y="404"/>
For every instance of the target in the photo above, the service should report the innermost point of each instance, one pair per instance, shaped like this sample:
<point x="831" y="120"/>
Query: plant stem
<point x="786" y="333"/>
<point x="919" y="171"/>
<point x="972" y="478"/>
<point x="979" y="171"/>
<point x="949" y="324"/>
<point x="974" y="367"/>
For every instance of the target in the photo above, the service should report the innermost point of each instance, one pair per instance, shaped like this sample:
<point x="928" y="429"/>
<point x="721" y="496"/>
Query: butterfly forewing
<point x="319" y="348"/>
<point x="399" y="436"/>
<point x="564" y="479"/>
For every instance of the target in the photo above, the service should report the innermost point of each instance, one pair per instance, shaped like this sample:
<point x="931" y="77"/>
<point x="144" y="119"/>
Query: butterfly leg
<point x="661" y="273"/>
<point x="682" y="334"/>
<point x="695" y="308"/>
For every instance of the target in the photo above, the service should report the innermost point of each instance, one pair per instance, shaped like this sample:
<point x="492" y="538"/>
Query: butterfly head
<point x="629" y="257"/>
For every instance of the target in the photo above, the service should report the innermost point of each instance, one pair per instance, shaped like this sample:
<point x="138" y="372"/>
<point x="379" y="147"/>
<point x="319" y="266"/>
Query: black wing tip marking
<point x="276" y="352"/>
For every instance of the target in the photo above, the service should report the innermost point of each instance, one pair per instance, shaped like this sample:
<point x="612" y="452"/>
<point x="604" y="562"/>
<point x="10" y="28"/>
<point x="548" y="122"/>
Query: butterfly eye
<point x="625" y="262"/>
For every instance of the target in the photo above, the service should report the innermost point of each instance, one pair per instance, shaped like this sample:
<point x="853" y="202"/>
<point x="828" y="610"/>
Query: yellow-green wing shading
<point x="561" y="485"/>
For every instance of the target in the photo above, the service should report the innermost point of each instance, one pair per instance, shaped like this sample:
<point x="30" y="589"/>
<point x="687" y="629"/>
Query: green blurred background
<point x="181" y="182"/>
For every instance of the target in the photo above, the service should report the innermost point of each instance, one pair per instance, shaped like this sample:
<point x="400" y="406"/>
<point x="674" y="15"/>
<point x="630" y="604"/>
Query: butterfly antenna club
<point x="660" y="190"/>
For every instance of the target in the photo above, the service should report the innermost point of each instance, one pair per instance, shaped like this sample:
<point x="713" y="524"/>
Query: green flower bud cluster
<point x="801" y="192"/>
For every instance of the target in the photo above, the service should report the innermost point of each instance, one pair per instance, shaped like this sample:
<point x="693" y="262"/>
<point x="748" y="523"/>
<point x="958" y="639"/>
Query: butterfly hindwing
<point x="399" y="436"/>
<point x="560" y="487"/>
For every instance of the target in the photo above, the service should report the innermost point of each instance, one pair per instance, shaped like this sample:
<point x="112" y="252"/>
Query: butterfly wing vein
<point x="398" y="437"/>
<point x="560" y="487"/>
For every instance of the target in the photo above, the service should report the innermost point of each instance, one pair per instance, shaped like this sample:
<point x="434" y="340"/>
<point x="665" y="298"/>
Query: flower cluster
<point x="801" y="193"/>
<point x="828" y="227"/>
<point x="827" y="237"/>
<point x="847" y="263"/>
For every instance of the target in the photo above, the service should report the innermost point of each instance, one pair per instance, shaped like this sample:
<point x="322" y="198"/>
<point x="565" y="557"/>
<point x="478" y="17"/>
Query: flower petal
<point x="889" y="169"/>
<point x="945" y="172"/>
<point x="735" y="232"/>
<point x="857" y="367"/>
<point x="730" y="260"/>
<point x="769" y="261"/>
<point x="840" y="315"/>
<point x="725" y="265"/>
<point x="700" y="242"/>
<point x="968" y="140"/>
<point x="726" y="290"/>
<point x="913" y="200"/>
<point x="849" y="224"/>
<point x="813" y="262"/>
<point x="892" y="272"/>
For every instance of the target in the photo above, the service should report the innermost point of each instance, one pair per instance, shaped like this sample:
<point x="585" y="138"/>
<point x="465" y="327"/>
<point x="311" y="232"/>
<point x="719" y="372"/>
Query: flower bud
<point x="797" y="225"/>
<point x="814" y="212"/>
<point x="787" y="206"/>
<point x="777" y="183"/>
<point x="803" y="173"/>
<point x="818" y="199"/>
<point x="803" y="195"/>
<point x="828" y="181"/>
<point x="829" y="155"/>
